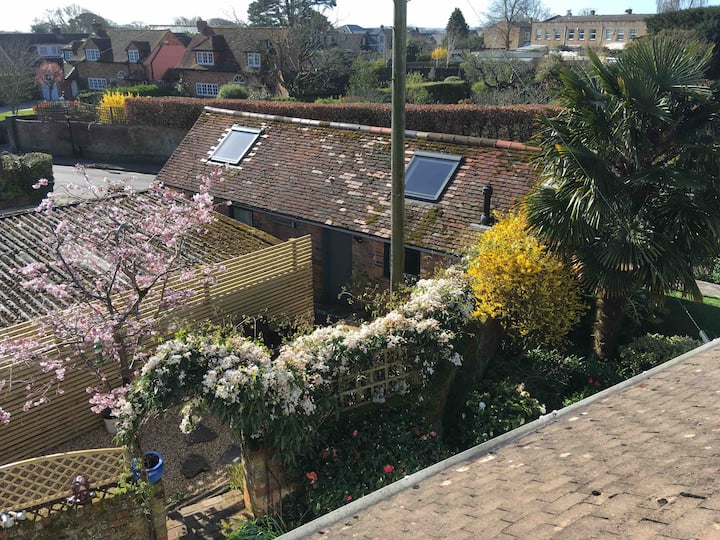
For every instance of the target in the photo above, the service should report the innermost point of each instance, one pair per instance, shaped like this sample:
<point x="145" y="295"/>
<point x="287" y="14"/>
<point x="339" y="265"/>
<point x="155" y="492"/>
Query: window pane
<point x="428" y="174"/>
<point x="235" y="145"/>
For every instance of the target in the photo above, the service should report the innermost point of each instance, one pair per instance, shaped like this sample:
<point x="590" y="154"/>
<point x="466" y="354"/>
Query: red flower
<point x="433" y="434"/>
<point x="388" y="468"/>
<point x="348" y="498"/>
<point x="355" y="433"/>
<point x="312" y="476"/>
<point x="590" y="380"/>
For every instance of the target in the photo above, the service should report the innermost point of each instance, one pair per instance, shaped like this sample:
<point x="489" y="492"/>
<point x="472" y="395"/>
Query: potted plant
<point x="153" y="466"/>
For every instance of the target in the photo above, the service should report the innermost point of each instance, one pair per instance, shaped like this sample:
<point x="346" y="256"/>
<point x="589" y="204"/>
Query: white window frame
<point x="593" y="34"/>
<point x="620" y="35"/>
<point x="254" y="60"/>
<point x="557" y="34"/>
<point x="97" y="83"/>
<point x="632" y="34"/>
<point x="548" y="34"/>
<point x="67" y="55"/>
<point x="133" y="56"/>
<point x="239" y="79"/>
<point x="608" y="34"/>
<point x="205" y="89"/>
<point x="538" y="34"/>
<point x="571" y="34"/>
<point x="581" y="33"/>
<point x="92" y="55"/>
<point x="204" y="58"/>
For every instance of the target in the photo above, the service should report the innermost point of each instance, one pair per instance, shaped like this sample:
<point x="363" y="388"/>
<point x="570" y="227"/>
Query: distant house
<point x="240" y="55"/>
<point x="495" y="35"/>
<point x="46" y="47"/>
<point x="373" y="40"/>
<point x="121" y="57"/>
<point x="589" y="31"/>
<point x="291" y="177"/>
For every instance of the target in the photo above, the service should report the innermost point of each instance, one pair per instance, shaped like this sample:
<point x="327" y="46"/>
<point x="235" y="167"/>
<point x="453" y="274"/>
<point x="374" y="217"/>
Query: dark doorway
<point x="337" y="264"/>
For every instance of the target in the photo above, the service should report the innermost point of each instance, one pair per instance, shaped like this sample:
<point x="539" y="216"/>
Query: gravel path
<point x="163" y="435"/>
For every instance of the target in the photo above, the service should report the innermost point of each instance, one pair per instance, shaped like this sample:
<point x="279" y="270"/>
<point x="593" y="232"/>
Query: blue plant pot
<point x="154" y="465"/>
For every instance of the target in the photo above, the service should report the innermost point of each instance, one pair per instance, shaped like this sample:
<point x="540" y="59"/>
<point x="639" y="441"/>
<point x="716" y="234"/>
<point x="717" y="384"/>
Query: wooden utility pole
<point x="397" y="165"/>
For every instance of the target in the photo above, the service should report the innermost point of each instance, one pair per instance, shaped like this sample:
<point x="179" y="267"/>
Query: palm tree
<point x="630" y="183"/>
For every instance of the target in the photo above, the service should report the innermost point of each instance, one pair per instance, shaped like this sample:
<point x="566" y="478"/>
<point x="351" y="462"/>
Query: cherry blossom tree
<point x="49" y="74"/>
<point x="110" y="258"/>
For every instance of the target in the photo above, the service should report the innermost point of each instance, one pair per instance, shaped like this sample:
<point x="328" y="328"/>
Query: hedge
<point x="516" y="123"/>
<point x="19" y="173"/>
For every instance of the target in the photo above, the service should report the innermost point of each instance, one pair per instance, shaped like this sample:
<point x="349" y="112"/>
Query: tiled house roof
<point x="114" y="43"/>
<point x="338" y="176"/>
<point x="22" y="237"/>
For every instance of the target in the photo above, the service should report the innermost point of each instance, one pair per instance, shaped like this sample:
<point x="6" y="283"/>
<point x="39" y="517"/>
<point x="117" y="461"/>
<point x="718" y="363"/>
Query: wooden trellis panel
<point x="387" y="377"/>
<point x="34" y="482"/>
<point x="275" y="282"/>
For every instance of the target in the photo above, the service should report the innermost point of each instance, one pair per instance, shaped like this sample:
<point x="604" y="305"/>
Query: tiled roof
<point x="638" y="460"/>
<point x="234" y="42"/>
<point x="22" y="237"/>
<point x="338" y="175"/>
<point x="625" y="17"/>
<point x="114" y="42"/>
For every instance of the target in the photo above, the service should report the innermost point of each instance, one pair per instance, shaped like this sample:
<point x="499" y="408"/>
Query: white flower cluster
<point x="237" y="374"/>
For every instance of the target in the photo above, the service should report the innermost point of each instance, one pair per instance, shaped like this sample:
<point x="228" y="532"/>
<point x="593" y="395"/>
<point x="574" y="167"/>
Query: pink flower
<point x="355" y="433"/>
<point x="348" y="498"/>
<point x="388" y="468"/>
<point x="312" y="476"/>
<point x="433" y="434"/>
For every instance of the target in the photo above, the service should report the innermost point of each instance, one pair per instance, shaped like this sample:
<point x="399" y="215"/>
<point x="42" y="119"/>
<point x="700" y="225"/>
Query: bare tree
<point x="677" y="5"/>
<point x="17" y="72"/>
<point x="503" y="15"/>
<point x="72" y="18"/>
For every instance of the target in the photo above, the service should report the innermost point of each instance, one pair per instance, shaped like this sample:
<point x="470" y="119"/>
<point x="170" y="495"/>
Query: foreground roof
<point x="638" y="460"/>
<point x="22" y="237"/>
<point x="338" y="175"/>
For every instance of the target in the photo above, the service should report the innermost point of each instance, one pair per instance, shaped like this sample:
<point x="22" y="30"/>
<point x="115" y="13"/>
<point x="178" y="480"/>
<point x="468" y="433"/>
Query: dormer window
<point x="235" y="145"/>
<point x="253" y="60"/>
<point x="204" y="58"/>
<point x="133" y="56"/>
<point x="67" y="55"/>
<point x="239" y="79"/>
<point x="428" y="174"/>
<point x="92" y="55"/>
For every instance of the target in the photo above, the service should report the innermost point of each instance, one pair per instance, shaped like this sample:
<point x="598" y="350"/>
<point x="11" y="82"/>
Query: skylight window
<point x="235" y="145"/>
<point x="427" y="174"/>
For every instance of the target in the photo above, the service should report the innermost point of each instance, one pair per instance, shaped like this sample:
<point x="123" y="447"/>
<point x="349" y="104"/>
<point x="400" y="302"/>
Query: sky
<point x="366" y="13"/>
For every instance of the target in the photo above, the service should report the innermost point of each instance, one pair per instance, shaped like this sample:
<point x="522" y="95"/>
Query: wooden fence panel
<point x="273" y="282"/>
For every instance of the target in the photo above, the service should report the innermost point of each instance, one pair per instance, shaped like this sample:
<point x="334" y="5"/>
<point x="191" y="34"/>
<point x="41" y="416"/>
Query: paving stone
<point x="201" y="434"/>
<point x="193" y="465"/>
<point x="232" y="454"/>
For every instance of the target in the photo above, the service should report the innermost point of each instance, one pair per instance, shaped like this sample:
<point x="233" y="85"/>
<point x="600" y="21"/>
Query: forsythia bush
<point x="517" y="281"/>
<point x="111" y="108"/>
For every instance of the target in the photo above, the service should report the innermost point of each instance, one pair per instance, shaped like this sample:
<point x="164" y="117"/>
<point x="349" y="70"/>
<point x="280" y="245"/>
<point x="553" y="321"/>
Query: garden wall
<point x="90" y="140"/>
<point x="117" y="517"/>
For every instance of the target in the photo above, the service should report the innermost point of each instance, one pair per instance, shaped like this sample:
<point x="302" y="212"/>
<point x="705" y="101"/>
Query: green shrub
<point x="496" y="408"/>
<point x="149" y="90"/>
<point x="453" y="78"/>
<point x="651" y="350"/>
<point x="232" y="91"/>
<point x="18" y="174"/>
<point x="365" y="451"/>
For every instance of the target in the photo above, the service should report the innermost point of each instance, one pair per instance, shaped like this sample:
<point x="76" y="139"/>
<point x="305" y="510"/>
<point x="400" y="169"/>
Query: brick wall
<point x="114" y="518"/>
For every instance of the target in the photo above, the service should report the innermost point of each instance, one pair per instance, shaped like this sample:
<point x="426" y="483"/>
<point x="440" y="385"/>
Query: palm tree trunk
<point x="608" y="315"/>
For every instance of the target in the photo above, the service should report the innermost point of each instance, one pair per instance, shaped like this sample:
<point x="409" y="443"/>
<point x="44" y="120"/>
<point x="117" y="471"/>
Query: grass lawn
<point x="676" y="319"/>
<point x="21" y="112"/>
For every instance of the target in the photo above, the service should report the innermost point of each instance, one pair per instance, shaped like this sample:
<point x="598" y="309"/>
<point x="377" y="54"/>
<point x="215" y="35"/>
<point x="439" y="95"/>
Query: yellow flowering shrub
<point x="111" y="109"/>
<point x="529" y="290"/>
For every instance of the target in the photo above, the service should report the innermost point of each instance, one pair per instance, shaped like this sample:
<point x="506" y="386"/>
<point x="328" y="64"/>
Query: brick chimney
<point x="203" y="28"/>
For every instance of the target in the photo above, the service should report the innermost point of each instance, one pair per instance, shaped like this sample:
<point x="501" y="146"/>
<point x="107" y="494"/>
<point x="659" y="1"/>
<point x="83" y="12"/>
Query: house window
<point x="527" y="37"/>
<point x="633" y="33"/>
<point x="204" y="58"/>
<point x="48" y="50"/>
<point x="235" y="145"/>
<point x="203" y="89"/>
<point x="538" y="34"/>
<point x="608" y="34"/>
<point x="133" y="56"/>
<point x="67" y="55"/>
<point x="121" y="74"/>
<point x="239" y="79"/>
<point x="547" y="34"/>
<point x="92" y="55"/>
<point x="593" y="34"/>
<point x="428" y="174"/>
<point x="557" y="34"/>
<point x="97" y="83"/>
<point x="253" y="60"/>
<point x="620" y="34"/>
<point x="412" y="261"/>
<point x="581" y="33"/>
<point x="571" y="34"/>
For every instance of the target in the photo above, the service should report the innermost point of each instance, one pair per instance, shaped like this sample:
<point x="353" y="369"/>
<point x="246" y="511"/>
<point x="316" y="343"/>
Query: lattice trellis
<point x="34" y="482"/>
<point x="387" y="377"/>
